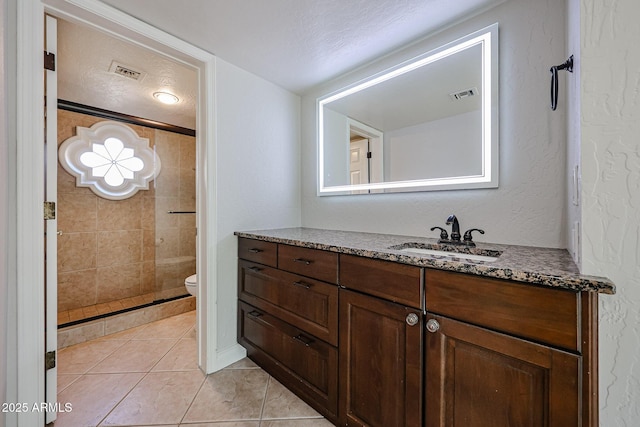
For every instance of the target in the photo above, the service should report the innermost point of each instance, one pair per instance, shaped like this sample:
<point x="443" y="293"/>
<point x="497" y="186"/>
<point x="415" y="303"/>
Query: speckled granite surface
<point x="541" y="266"/>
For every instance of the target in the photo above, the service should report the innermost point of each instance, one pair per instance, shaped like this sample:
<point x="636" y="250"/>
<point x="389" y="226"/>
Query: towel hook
<point x="567" y="65"/>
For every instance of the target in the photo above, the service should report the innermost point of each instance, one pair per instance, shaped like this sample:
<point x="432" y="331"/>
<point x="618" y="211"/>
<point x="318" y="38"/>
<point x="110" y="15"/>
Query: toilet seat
<point x="191" y="284"/>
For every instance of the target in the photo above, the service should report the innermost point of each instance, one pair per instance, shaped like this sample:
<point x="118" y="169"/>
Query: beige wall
<point x="175" y="234"/>
<point x="108" y="249"/>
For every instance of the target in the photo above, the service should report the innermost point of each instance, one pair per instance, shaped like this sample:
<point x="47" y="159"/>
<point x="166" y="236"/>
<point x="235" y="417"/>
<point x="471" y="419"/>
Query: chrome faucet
<point x="455" y="233"/>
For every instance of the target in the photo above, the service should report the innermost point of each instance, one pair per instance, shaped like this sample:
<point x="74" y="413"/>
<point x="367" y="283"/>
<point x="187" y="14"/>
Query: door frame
<point x="30" y="180"/>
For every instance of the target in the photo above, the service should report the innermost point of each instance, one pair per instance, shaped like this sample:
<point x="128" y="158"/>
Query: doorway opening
<point x="118" y="254"/>
<point x="30" y="310"/>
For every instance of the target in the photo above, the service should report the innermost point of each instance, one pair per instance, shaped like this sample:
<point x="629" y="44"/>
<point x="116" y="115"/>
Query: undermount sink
<point x="449" y="251"/>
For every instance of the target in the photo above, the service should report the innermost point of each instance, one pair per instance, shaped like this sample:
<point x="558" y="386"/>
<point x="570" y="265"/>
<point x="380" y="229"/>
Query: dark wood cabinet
<point x="310" y="304"/>
<point x="380" y="362"/>
<point x="476" y="377"/>
<point x="301" y="362"/>
<point x="376" y="343"/>
<point x="288" y="318"/>
<point x="499" y="353"/>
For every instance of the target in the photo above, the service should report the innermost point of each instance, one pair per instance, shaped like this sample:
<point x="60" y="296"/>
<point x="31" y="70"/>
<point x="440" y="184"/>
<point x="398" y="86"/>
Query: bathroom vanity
<point x="372" y="332"/>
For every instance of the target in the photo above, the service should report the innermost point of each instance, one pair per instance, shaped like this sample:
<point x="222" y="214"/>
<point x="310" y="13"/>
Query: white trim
<point x="30" y="180"/>
<point x="51" y="226"/>
<point x="30" y="224"/>
<point x="231" y="355"/>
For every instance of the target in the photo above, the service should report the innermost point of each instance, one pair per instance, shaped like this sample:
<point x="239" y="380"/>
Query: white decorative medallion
<point x="110" y="159"/>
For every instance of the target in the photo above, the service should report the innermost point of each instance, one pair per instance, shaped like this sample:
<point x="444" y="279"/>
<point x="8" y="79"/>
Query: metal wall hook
<point x="567" y="65"/>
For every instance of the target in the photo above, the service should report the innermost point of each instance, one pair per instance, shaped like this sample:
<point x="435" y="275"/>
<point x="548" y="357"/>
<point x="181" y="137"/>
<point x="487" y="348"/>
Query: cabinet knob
<point x="433" y="325"/>
<point x="412" y="319"/>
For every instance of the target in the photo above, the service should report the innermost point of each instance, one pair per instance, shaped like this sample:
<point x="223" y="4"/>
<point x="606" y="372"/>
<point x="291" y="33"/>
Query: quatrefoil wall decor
<point x="110" y="159"/>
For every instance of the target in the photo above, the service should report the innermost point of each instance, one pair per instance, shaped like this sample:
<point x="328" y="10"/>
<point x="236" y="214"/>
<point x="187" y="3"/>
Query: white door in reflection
<point x="359" y="164"/>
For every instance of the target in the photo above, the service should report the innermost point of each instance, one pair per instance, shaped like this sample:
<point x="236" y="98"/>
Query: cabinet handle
<point x="254" y="314"/>
<point x="302" y="284"/>
<point x="255" y="250"/>
<point x="304" y="340"/>
<point x="412" y="319"/>
<point x="302" y="261"/>
<point x="255" y="269"/>
<point x="433" y="325"/>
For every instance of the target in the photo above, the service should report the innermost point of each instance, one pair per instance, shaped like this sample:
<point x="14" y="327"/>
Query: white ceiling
<point x="296" y="44"/>
<point x="85" y="58"/>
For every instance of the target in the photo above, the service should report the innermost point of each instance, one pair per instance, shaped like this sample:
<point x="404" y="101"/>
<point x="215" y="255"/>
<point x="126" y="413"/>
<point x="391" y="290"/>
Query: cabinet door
<point x="380" y="362"/>
<point x="475" y="377"/>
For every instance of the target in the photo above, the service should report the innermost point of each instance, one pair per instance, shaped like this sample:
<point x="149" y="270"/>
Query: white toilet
<point x="191" y="284"/>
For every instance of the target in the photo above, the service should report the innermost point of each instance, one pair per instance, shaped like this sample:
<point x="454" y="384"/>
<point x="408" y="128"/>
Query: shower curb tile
<point x="77" y="334"/>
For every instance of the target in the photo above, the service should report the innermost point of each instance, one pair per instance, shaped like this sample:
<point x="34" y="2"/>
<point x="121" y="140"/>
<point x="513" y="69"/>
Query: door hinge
<point x="49" y="61"/>
<point x="50" y="360"/>
<point x="368" y="154"/>
<point x="49" y="210"/>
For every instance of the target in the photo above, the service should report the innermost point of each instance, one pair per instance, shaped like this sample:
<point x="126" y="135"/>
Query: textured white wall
<point x="610" y="104"/>
<point x="529" y="206"/>
<point x="258" y="172"/>
<point x="409" y="152"/>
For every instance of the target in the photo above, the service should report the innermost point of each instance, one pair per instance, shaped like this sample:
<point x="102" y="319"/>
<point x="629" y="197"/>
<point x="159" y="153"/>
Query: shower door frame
<point x="30" y="294"/>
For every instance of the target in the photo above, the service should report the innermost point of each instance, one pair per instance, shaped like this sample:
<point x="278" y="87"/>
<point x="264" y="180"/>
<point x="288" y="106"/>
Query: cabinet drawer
<point x="321" y="265"/>
<point x="542" y="314"/>
<point x="258" y="251"/>
<point x="306" y="303"/>
<point x="389" y="280"/>
<point x="301" y="363"/>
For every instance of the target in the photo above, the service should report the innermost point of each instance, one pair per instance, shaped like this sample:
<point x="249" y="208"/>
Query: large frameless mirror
<point x="430" y="123"/>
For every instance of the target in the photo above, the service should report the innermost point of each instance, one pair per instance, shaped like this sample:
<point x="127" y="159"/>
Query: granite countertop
<point x="540" y="266"/>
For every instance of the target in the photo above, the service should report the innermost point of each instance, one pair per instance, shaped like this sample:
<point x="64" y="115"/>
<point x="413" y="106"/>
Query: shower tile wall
<point x="175" y="239"/>
<point x="108" y="249"/>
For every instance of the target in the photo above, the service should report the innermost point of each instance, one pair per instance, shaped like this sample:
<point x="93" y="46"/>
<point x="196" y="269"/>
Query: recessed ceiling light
<point x="166" y="97"/>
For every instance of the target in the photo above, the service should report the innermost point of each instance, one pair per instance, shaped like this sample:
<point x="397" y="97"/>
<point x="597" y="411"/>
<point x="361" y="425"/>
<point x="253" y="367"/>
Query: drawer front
<point x="545" y="315"/>
<point x="306" y="303"/>
<point x="301" y="362"/>
<point x="258" y="251"/>
<point x="389" y="280"/>
<point x="307" y="262"/>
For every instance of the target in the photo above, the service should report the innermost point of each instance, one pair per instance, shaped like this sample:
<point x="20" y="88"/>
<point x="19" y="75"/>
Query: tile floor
<point x="147" y="376"/>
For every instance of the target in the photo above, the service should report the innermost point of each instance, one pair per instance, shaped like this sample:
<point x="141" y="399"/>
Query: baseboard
<point x="229" y="356"/>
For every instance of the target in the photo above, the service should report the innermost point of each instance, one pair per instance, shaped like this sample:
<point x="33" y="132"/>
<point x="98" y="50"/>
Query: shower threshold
<point x="100" y="311"/>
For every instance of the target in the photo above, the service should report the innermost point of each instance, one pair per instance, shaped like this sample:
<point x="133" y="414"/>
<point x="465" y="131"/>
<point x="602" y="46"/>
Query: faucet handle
<point x="443" y="233"/>
<point x="468" y="239"/>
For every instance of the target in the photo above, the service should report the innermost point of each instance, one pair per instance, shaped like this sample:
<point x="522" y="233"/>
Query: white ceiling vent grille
<point x="126" y="71"/>
<point x="455" y="96"/>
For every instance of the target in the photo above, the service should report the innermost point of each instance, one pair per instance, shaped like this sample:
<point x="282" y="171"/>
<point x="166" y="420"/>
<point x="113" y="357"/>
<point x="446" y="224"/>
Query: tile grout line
<point x="130" y="390"/>
<point x="145" y="373"/>
<point x="204" y="380"/>
<point x="99" y="361"/>
<point x="264" y="400"/>
<point x="123" y="397"/>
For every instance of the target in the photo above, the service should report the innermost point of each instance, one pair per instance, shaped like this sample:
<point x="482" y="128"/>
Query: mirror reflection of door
<point x="359" y="161"/>
<point x="366" y="158"/>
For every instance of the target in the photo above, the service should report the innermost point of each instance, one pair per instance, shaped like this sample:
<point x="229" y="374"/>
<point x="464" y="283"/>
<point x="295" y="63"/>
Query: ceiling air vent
<point x="455" y="96"/>
<point x="126" y="71"/>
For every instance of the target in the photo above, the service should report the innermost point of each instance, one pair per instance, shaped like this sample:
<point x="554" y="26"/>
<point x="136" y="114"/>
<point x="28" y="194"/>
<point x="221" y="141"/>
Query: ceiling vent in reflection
<point x="456" y="96"/>
<point x="126" y="71"/>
